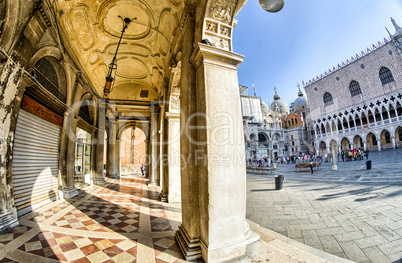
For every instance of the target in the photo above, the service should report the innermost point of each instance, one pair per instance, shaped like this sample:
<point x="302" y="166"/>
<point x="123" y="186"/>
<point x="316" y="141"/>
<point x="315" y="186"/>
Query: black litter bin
<point x="368" y="165"/>
<point x="279" y="182"/>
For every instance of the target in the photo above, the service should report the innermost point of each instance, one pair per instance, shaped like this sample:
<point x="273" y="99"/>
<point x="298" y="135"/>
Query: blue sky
<point x="305" y="39"/>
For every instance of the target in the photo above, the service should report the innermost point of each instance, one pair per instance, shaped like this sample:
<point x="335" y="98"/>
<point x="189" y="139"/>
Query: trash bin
<point x="368" y="165"/>
<point x="279" y="182"/>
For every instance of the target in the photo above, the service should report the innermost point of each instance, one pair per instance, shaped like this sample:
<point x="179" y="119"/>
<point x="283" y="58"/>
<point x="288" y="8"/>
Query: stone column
<point x="111" y="157"/>
<point x="379" y="144"/>
<point x="147" y="158"/>
<point x="10" y="100"/>
<point x="340" y="148"/>
<point x="69" y="190"/>
<point x="171" y="187"/>
<point x="100" y="140"/>
<point x="217" y="212"/>
<point x="365" y="145"/>
<point x="154" y="146"/>
<point x="393" y="142"/>
<point x="117" y="156"/>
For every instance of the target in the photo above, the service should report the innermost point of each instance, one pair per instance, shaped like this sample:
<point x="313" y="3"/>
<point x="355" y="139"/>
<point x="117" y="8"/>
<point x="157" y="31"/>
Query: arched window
<point x="354" y="88"/>
<point x="328" y="99"/>
<point x="387" y="137"/>
<point x="386" y="76"/>
<point x="46" y="74"/>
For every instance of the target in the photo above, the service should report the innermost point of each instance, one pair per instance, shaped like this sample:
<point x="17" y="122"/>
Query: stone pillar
<point x="340" y="148"/>
<point x="69" y="190"/>
<point x="214" y="218"/>
<point x="10" y="100"/>
<point x="153" y="173"/>
<point x="117" y="156"/>
<point x="171" y="191"/>
<point x="100" y="140"/>
<point x="393" y="142"/>
<point x="379" y="144"/>
<point x="111" y="157"/>
<point x="147" y="158"/>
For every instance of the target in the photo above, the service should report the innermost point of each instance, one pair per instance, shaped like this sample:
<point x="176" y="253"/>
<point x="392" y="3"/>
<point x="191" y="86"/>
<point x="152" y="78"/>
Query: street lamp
<point x="272" y="5"/>
<point x="113" y="65"/>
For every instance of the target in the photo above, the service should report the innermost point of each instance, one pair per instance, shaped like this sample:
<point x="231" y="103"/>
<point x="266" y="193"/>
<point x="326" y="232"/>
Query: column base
<point x="191" y="249"/>
<point x="98" y="181"/>
<point x="113" y="176"/>
<point x="334" y="167"/>
<point x="68" y="193"/>
<point x="8" y="220"/>
<point x="152" y="183"/>
<point x="232" y="251"/>
<point x="163" y="197"/>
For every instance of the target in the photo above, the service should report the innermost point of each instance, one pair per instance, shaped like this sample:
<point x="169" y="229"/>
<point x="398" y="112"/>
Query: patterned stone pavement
<point x="352" y="213"/>
<point x="122" y="221"/>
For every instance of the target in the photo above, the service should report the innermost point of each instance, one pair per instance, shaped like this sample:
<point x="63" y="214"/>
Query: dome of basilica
<point x="300" y="103"/>
<point x="279" y="105"/>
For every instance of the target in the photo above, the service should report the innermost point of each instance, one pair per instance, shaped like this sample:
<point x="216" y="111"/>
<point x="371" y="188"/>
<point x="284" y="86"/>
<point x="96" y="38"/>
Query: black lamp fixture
<point x="113" y="65"/>
<point x="272" y="6"/>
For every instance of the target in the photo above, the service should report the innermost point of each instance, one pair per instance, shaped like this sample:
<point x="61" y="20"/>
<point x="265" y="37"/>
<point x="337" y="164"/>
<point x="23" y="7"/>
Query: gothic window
<point x="354" y="88"/>
<point x="328" y="99"/>
<point x="386" y="76"/>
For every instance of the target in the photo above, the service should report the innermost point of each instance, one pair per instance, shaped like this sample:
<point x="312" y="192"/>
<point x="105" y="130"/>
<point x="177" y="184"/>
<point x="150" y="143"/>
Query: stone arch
<point x="358" y="142"/>
<point x="333" y="145"/>
<point x="50" y="74"/>
<point x="322" y="147"/>
<point x="398" y="136"/>
<point x="386" y="139"/>
<point x="263" y="138"/>
<point x="134" y="123"/>
<point x="371" y="141"/>
<point x="132" y="148"/>
<point x="345" y="144"/>
<point x="391" y="110"/>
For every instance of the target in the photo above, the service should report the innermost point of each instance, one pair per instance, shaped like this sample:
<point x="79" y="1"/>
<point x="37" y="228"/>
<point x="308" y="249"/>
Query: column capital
<point x="205" y="54"/>
<point x="172" y="115"/>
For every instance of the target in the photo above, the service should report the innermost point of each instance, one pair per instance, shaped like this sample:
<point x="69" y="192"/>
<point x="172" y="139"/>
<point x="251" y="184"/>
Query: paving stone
<point x="330" y="244"/>
<point x="375" y="255"/>
<point x="391" y="248"/>
<point x="348" y="236"/>
<point x="371" y="241"/>
<point x="330" y="231"/>
<point x="353" y="251"/>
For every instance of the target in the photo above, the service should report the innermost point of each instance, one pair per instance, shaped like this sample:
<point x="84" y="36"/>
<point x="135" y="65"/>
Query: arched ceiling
<point x="93" y="28"/>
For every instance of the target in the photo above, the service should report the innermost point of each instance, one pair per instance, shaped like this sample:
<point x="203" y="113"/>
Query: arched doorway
<point x="358" y="142"/>
<point x="132" y="150"/>
<point x="263" y="143"/>
<point x="371" y="141"/>
<point x="386" y="141"/>
<point x="323" y="147"/>
<point x="345" y="144"/>
<point x="334" y="146"/>
<point x="398" y="136"/>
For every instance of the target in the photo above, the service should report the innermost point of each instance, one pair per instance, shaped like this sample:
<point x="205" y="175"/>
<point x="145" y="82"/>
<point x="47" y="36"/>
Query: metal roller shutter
<point x="35" y="162"/>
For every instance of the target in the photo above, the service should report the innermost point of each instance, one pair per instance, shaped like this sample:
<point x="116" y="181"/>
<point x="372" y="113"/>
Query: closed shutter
<point x="35" y="162"/>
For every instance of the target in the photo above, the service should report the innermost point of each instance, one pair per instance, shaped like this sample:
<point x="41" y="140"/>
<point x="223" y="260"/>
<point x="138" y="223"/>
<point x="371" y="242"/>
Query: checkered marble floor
<point x="121" y="221"/>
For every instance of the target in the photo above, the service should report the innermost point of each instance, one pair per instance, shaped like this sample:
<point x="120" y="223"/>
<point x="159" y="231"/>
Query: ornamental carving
<point x="222" y="10"/>
<point x="175" y="103"/>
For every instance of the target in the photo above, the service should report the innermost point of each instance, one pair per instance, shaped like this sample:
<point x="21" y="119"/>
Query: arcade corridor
<point x="122" y="221"/>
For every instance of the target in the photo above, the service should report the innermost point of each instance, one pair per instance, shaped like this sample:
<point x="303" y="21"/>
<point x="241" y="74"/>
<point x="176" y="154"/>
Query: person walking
<point x="143" y="169"/>
<point x="311" y="166"/>
<point x="367" y="153"/>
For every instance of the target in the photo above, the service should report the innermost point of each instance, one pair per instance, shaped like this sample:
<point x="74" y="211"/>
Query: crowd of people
<point x="292" y="159"/>
<point x="346" y="155"/>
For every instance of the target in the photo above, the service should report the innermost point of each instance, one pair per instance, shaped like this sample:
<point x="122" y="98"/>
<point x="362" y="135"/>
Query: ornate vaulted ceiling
<point x="93" y="28"/>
